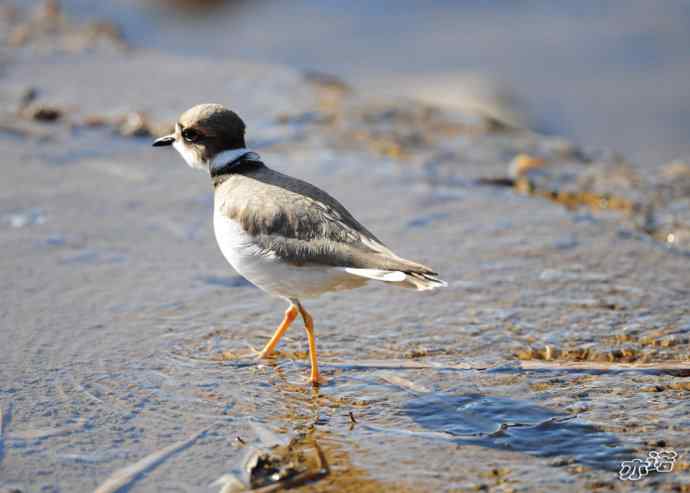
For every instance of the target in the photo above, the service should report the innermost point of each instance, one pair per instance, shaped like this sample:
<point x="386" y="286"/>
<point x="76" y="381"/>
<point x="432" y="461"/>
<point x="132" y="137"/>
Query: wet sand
<point x="559" y="349"/>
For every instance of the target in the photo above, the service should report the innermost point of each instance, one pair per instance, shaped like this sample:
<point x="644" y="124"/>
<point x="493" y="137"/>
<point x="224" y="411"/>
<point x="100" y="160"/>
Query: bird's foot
<point x="316" y="380"/>
<point x="265" y="353"/>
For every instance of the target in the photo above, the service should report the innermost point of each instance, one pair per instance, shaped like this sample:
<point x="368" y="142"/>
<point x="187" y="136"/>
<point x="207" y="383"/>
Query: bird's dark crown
<point x="211" y="127"/>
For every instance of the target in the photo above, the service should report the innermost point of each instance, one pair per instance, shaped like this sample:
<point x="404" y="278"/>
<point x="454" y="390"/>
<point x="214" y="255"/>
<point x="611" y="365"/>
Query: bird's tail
<point x="421" y="281"/>
<point x="424" y="281"/>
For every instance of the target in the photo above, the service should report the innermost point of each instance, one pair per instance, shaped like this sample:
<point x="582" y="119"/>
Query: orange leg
<point x="315" y="377"/>
<point x="290" y="315"/>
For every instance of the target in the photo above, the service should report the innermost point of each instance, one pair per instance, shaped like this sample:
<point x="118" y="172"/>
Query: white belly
<point x="270" y="273"/>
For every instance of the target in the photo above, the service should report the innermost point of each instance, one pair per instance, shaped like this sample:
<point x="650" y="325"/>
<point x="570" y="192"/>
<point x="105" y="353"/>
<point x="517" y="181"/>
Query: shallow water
<point x="124" y="331"/>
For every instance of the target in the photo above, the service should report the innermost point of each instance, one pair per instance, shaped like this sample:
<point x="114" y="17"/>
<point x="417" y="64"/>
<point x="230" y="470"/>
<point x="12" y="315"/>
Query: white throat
<point x="193" y="159"/>
<point x="226" y="157"/>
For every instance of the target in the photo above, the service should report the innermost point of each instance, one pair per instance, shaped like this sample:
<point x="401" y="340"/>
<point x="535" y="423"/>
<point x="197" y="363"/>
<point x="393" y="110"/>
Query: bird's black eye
<point x="190" y="135"/>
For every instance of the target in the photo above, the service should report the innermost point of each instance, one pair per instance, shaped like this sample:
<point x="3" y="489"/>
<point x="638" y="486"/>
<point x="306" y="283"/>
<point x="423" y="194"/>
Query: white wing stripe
<point x="377" y="274"/>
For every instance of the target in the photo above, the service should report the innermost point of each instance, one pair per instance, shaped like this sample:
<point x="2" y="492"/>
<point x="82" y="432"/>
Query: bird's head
<point x="203" y="132"/>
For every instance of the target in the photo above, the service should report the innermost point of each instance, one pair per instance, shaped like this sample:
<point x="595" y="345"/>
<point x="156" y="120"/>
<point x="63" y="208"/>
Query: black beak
<point x="164" y="141"/>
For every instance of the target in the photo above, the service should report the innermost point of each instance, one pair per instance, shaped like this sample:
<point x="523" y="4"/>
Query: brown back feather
<point x="302" y="224"/>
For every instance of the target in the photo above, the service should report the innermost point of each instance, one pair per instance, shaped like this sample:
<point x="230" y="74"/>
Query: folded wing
<point x="303" y="225"/>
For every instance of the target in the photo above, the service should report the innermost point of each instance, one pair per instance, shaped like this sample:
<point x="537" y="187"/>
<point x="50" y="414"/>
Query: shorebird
<point x="286" y="236"/>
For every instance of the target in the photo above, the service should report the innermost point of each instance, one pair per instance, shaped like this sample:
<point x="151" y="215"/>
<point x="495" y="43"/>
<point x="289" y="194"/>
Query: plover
<point x="284" y="235"/>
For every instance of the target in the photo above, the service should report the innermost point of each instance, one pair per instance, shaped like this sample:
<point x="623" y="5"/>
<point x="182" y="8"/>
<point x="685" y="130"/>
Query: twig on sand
<point x="400" y="364"/>
<point x="420" y="434"/>
<point x="604" y="366"/>
<point x="123" y="477"/>
<point x="403" y="382"/>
